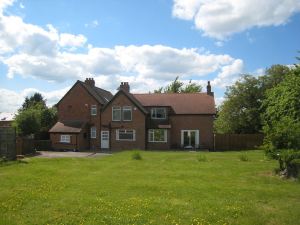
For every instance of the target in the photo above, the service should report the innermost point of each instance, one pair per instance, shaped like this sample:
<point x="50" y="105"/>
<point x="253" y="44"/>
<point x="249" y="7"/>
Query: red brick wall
<point x="160" y="145"/>
<point x="57" y="145"/>
<point x="137" y="123"/>
<point x="203" y="123"/>
<point x="76" y="105"/>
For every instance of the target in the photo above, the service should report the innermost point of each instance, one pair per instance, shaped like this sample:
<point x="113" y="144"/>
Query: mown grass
<point x="162" y="188"/>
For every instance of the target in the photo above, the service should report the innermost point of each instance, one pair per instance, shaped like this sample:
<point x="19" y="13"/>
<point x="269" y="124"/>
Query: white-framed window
<point x="125" y="135"/>
<point x="127" y="113"/>
<point x="157" y="135"/>
<point x="116" y="113"/>
<point x="158" y="113"/>
<point x="93" y="110"/>
<point x="65" y="138"/>
<point x="93" y="132"/>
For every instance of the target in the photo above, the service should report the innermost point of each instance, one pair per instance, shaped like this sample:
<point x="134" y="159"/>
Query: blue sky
<point x="46" y="46"/>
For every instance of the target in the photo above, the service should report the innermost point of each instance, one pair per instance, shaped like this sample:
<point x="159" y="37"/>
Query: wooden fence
<point x="8" y="142"/>
<point x="26" y="146"/>
<point x="227" y="142"/>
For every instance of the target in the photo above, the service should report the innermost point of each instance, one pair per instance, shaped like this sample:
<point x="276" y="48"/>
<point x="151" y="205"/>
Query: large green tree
<point x="242" y="108"/>
<point x="178" y="86"/>
<point x="281" y="118"/>
<point x="240" y="112"/>
<point x="35" y="118"/>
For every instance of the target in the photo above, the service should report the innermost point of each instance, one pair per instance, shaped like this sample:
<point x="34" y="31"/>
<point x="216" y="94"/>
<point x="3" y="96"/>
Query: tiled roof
<point x="130" y="97"/>
<point x="73" y="126"/>
<point x="181" y="103"/>
<point x="100" y="94"/>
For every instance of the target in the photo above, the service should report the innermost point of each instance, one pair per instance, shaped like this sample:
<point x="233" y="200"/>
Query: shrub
<point x="289" y="162"/>
<point x="243" y="158"/>
<point x="202" y="158"/>
<point x="136" y="155"/>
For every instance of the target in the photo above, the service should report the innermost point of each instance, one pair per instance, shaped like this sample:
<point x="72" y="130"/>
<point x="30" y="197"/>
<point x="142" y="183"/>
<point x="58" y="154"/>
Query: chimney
<point x="90" y="82"/>
<point x="124" y="86"/>
<point x="208" y="89"/>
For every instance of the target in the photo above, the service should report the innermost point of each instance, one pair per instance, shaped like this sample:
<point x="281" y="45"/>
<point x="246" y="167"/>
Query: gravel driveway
<point x="48" y="154"/>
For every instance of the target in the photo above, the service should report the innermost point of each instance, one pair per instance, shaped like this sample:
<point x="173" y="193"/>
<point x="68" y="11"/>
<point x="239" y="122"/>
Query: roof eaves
<point x="130" y="97"/>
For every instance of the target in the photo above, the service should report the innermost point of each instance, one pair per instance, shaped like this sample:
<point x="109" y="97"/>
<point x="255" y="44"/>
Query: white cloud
<point x="72" y="40"/>
<point x="21" y="5"/>
<point x="229" y="74"/>
<point x="11" y="101"/>
<point x="93" y="24"/>
<point x="221" y="18"/>
<point x="44" y="53"/>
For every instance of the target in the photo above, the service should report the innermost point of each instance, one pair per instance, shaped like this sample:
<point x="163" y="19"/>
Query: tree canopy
<point x="281" y="118"/>
<point x="242" y="108"/>
<point x="178" y="87"/>
<point x="35" y="118"/>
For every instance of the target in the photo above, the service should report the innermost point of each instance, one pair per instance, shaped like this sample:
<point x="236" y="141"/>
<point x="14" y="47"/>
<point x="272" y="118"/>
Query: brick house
<point x="133" y="121"/>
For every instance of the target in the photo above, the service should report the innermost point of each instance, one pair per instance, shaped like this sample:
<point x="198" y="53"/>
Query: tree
<point x="28" y="122"/>
<point x="191" y="88"/>
<point x="281" y="118"/>
<point x="242" y="109"/>
<point x="34" y="100"/>
<point x="178" y="87"/>
<point x="35" y="118"/>
<point x="240" y="112"/>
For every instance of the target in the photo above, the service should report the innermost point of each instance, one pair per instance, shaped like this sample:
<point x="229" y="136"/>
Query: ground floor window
<point x="157" y="135"/>
<point x="125" y="135"/>
<point x="93" y="132"/>
<point x="65" y="138"/>
<point x="190" y="138"/>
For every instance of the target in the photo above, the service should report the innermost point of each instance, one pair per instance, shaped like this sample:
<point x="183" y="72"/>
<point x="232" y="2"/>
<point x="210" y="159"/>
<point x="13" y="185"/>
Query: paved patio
<point x="49" y="154"/>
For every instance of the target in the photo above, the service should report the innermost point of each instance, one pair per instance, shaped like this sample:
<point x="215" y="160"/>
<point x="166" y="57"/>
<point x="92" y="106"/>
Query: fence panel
<point x="8" y="142"/>
<point x="225" y="142"/>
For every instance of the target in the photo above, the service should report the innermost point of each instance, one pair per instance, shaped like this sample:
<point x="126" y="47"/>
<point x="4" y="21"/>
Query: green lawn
<point x="162" y="188"/>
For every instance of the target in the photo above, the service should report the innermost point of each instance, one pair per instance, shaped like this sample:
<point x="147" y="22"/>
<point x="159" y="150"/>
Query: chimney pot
<point x="124" y="86"/>
<point x="90" y="82"/>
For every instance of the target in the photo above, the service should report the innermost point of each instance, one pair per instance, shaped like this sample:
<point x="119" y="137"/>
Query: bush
<point x="202" y="158"/>
<point x="289" y="162"/>
<point x="243" y="158"/>
<point x="136" y="155"/>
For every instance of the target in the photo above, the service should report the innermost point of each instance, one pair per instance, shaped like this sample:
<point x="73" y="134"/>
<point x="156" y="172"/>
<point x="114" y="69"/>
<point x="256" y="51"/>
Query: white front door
<point x="190" y="138"/>
<point x="104" y="139"/>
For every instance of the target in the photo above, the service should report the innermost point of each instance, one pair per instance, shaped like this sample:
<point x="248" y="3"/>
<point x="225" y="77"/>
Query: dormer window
<point x="94" y="110"/>
<point x="158" y="113"/>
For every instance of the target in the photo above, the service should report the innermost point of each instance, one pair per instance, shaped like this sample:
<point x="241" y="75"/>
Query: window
<point x="93" y="132"/>
<point x="157" y="135"/>
<point x="65" y="138"/>
<point x="93" y="110"/>
<point x="125" y="135"/>
<point x="158" y="113"/>
<point x="116" y="113"/>
<point x="127" y="113"/>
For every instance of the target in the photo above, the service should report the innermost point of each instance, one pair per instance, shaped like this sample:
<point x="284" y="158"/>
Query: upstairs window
<point x="93" y="110"/>
<point x="125" y="135"/>
<point x="116" y="113"/>
<point x="93" y="132"/>
<point x="157" y="135"/>
<point x="158" y="113"/>
<point x="127" y="113"/>
<point x="65" y="138"/>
